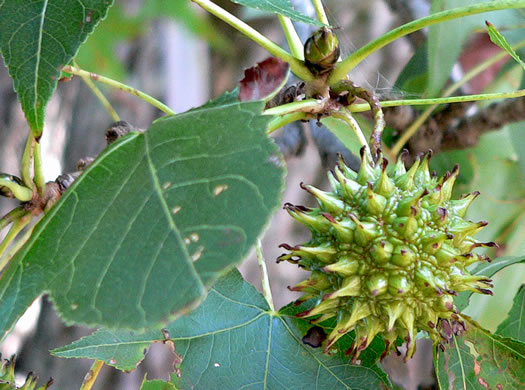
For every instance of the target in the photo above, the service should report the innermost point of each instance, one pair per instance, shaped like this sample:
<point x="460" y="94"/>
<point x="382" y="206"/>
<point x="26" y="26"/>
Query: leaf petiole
<point x="27" y="161"/>
<point x="92" y="374"/>
<point x="12" y="216"/>
<point x="277" y="123"/>
<point x="17" y="227"/>
<point x="297" y="66"/>
<point x="20" y="192"/>
<point x="294" y="42"/>
<point x="100" y="96"/>
<point x="115" y="84"/>
<point x="37" y="169"/>
<point x="347" y="117"/>
<point x="267" y="291"/>
<point x="321" y="14"/>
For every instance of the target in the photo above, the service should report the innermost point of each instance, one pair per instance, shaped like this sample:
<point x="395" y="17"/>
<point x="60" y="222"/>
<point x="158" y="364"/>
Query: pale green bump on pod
<point x="389" y="251"/>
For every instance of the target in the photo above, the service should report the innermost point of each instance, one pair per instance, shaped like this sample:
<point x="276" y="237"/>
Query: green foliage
<point x="37" y="39"/>
<point x="514" y="325"/>
<point x="234" y="339"/>
<point x="481" y="360"/>
<point x="281" y="7"/>
<point x="143" y="235"/>
<point x="489" y="270"/>
<point x="156" y="385"/>
<point x="187" y="199"/>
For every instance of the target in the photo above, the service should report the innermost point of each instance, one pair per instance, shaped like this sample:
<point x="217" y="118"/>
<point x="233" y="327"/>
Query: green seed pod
<point x="394" y="250"/>
<point x="321" y="51"/>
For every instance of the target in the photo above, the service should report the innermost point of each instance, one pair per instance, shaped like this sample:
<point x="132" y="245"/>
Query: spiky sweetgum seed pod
<point x="389" y="250"/>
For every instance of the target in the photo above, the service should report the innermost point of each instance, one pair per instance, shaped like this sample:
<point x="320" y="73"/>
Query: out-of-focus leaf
<point x="514" y="325"/>
<point x="445" y="40"/>
<point x="500" y="41"/>
<point x="481" y="360"/>
<point x="98" y="53"/>
<point x="233" y="340"/>
<point x="184" y="12"/>
<point x="156" y="385"/>
<point x="518" y="138"/>
<point x="413" y="77"/>
<point x="281" y="7"/>
<point x="37" y="38"/>
<point x="488" y="270"/>
<point x="264" y="80"/>
<point x="153" y="222"/>
<point x="343" y="132"/>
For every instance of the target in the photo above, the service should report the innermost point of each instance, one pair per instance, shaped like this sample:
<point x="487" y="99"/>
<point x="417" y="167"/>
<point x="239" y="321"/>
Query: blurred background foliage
<point x="179" y="54"/>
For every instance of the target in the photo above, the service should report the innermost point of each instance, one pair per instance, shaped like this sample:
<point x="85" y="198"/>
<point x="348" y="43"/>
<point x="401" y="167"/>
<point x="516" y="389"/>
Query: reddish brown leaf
<point x="263" y="79"/>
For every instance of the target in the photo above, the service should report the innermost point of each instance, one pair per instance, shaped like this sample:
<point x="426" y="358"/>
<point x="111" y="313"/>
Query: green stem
<point x="11" y="216"/>
<point x="454" y="99"/>
<point x="16" y="247"/>
<point x="294" y="42"/>
<point x="20" y="192"/>
<point x="319" y="10"/>
<point x="92" y="374"/>
<point x="296" y="65"/>
<point x="408" y="133"/>
<point x="281" y="121"/>
<point x="267" y="291"/>
<point x="115" y="84"/>
<point x="306" y="105"/>
<point x="37" y="169"/>
<point x="347" y="117"/>
<point x="19" y="224"/>
<point x="27" y="162"/>
<point x="349" y="63"/>
<point x="100" y="96"/>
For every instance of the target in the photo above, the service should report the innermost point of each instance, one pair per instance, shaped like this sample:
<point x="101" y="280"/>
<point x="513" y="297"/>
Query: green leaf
<point x="514" y="325"/>
<point x="481" y="360"/>
<point x="37" y="38"/>
<point x="233" y="340"/>
<point x="501" y="42"/>
<point x="343" y="132"/>
<point x="156" y="385"/>
<point x="488" y="270"/>
<point x="153" y="222"/>
<point x="413" y="79"/>
<point x="281" y="7"/>
<point x="446" y="40"/>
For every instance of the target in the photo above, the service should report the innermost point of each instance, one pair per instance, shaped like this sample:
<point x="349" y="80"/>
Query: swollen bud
<point x="321" y="51"/>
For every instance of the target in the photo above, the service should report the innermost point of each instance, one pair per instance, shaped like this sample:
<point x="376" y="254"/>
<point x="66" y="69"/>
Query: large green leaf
<point x="37" y="38"/>
<point x="481" y="360"/>
<point x="232" y="341"/>
<point x="488" y="270"/>
<point x="514" y="325"/>
<point x="153" y="222"/>
<point x="281" y="7"/>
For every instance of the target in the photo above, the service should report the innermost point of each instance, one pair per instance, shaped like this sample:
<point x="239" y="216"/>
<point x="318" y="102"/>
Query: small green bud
<point x="321" y="51"/>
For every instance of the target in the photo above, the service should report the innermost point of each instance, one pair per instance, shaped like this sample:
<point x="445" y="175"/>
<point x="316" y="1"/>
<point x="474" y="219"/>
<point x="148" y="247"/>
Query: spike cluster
<point x="389" y="250"/>
<point x="7" y="377"/>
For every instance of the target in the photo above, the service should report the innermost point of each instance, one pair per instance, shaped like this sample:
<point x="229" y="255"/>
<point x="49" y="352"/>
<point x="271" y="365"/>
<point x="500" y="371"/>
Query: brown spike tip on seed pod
<point x="388" y="253"/>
